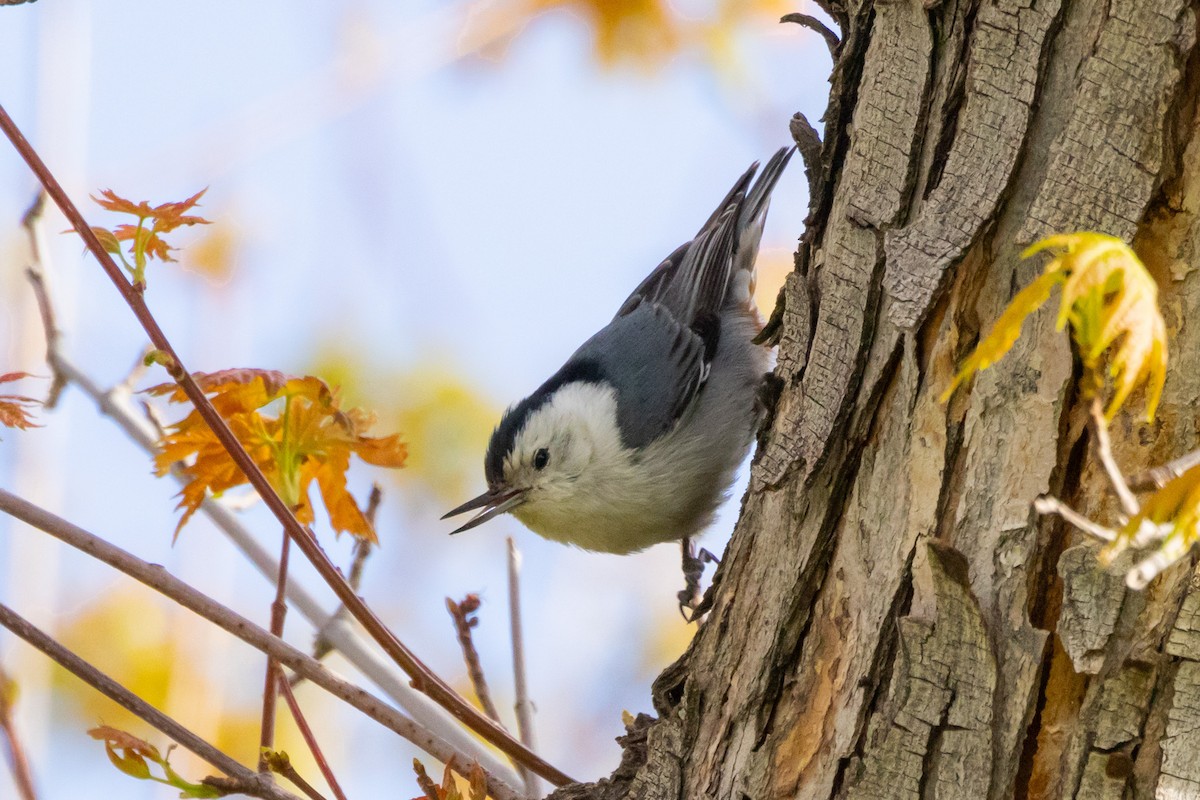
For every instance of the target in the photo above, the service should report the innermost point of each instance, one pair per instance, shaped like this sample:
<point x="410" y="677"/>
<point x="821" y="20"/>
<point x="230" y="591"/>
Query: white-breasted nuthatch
<point x="637" y="438"/>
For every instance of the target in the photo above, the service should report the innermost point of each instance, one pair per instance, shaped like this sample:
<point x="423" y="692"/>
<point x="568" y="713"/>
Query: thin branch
<point x="423" y="678"/>
<point x="1049" y="504"/>
<point x="813" y="24"/>
<point x="1129" y="503"/>
<point x="137" y="371"/>
<point x="332" y="628"/>
<point x="33" y="222"/>
<point x="310" y="739"/>
<point x="17" y="761"/>
<point x="1160" y="476"/>
<point x="524" y="707"/>
<point x="463" y="622"/>
<point x="362" y="550"/>
<point x="266" y="738"/>
<point x="253" y="785"/>
<point x="184" y="594"/>
<point x="278" y="762"/>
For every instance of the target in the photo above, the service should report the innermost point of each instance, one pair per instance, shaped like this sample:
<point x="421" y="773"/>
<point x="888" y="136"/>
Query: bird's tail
<point x="753" y="218"/>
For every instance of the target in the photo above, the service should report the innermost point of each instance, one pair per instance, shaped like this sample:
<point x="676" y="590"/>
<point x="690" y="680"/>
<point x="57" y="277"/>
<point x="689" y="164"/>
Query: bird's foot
<point x="691" y="604"/>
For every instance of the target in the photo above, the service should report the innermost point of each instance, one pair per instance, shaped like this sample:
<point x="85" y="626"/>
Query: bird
<point x="637" y="438"/>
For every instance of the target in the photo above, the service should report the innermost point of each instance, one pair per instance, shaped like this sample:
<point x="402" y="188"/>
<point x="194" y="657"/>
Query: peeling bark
<point x="891" y="619"/>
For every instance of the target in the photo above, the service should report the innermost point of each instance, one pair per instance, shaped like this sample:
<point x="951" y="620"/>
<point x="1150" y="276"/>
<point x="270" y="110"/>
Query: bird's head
<point x="542" y="451"/>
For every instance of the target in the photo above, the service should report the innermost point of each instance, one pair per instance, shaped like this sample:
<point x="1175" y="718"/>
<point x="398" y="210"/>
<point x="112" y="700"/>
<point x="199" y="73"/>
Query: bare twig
<point x="254" y="785"/>
<point x="266" y="739"/>
<point x="1160" y="476"/>
<point x="332" y="628"/>
<point x="423" y="678"/>
<point x="813" y="24"/>
<point x="32" y="221"/>
<point x="1049" y="504"/>
<point x="137" y="371"/>
<point x="17" y="762"/>
<point x="363" y="547"/>
<point x="524" y="707"/>
<point x="278" y="762"/>
<point x="190" y="598"/>
<point x="463" y="622"/>
<point x="310" y="739"/>
<point x="1129" y="503"/>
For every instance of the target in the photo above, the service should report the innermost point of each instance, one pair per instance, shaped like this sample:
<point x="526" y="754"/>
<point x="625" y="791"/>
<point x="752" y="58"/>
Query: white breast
<point x="621" y="501"/>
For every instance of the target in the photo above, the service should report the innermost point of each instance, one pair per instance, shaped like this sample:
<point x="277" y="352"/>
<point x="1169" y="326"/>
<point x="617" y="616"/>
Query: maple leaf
<point x="1110" y="301"/>
<point x="293" y="429"/>
<point x="111" y="201"/>
<point x="133" y="756"/>
<point x="13" y="407"/>
<point x="146" y="235"/>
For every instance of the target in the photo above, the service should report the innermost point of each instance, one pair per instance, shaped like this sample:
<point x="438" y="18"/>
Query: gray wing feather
<point x="658" y="348"/>
<point x="656" y="365"/>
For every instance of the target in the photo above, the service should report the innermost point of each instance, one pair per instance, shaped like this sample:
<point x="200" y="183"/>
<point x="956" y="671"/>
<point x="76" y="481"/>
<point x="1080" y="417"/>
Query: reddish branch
<point x="266" y="739"/>
<point x="423" y="678"/>
<point x="310" y="739"/>
<point x="462" y="613"/>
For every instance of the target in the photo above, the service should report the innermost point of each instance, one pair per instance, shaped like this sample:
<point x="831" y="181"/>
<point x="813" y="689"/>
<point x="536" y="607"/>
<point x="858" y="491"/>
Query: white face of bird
<point x="553" y="453"/>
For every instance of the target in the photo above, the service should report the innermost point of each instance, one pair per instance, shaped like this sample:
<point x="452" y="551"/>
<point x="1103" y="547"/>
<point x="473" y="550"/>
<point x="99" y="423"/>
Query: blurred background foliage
<point x="428" y="203"/>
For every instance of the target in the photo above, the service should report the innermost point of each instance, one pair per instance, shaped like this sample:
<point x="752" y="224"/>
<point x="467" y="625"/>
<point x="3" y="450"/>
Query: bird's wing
<point x="694" y="279"/>
<point x="676" y="281"/>
<point x="657" y="366"/>
<point x="659" y="347"/>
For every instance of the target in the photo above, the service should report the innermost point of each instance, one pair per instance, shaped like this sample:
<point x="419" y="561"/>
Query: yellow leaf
<point x="1110" y="301"/>
<point x="1006" y="330"/>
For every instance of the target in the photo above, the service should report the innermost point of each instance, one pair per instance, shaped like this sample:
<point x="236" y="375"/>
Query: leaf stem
<point x="1129" y="503"/>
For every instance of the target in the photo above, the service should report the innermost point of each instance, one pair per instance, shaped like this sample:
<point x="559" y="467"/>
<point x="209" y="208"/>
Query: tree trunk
<point x="891" y="619"/>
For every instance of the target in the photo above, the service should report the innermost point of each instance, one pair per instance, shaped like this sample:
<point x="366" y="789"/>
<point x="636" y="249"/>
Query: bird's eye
<point x="541" y="458"/>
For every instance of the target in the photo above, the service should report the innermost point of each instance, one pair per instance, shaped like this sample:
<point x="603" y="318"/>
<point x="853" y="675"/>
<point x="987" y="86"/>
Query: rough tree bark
<point x="891" y="619"/>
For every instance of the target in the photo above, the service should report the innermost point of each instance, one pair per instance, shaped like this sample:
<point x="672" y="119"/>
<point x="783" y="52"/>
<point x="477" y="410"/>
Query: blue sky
<point x="394" y="201"/>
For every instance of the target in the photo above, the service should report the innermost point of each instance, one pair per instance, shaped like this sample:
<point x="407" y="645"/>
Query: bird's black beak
<point x="493" y="503"/>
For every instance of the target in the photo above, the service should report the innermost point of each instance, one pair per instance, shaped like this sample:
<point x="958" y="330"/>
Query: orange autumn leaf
<point x="145" y="236"/>
<point x="167" y="216"/>
<point x="1110" y="301"/>
<point x="293" y="429"/>
<point x="13" y="407"/>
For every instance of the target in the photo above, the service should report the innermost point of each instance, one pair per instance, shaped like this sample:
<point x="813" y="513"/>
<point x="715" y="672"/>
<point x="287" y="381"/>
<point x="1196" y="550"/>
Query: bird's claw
<point x="692" y="605"/>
